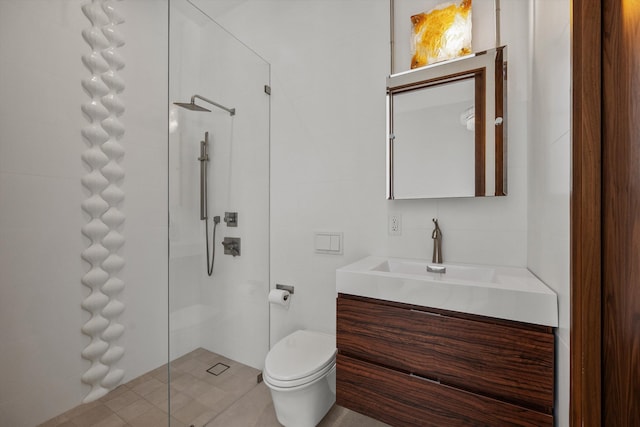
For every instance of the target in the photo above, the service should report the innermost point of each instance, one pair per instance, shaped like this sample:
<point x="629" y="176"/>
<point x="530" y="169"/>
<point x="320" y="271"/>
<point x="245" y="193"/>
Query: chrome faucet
<point x="437" y="243"/>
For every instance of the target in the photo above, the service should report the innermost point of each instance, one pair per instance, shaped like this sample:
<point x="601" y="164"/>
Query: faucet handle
<point x="436" y="234"/>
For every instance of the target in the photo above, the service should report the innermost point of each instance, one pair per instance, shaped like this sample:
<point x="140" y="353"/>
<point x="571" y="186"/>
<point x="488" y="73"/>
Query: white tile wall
<point x="228" y="311"/>
<point x="40" y="197"/>
<point x="503" y="231"/>
<point x="327" y="172"/>
<point x="328" y="157"/>
<point x="549" y="160"/>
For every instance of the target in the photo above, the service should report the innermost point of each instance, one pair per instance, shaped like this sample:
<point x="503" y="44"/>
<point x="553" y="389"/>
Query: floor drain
<point x="217" y="369"/>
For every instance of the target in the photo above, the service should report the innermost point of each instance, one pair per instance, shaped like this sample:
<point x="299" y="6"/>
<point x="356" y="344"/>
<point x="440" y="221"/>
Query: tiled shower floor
<point x="198" y="398"/>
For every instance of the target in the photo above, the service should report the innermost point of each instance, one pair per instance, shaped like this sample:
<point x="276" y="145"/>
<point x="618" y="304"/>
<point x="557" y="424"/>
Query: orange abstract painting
<point x="442" y="33"/>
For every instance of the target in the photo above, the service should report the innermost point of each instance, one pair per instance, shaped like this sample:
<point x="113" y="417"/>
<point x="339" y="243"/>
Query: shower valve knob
<point x="231" y="218"/>
<point x="231" y="246"/>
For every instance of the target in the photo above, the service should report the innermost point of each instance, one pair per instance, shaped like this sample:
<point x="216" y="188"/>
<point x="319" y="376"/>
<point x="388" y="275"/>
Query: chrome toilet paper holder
<point x="285" y="288"/>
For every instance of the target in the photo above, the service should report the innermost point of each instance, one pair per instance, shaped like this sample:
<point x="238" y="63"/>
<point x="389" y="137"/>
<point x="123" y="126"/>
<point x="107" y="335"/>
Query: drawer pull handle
<point x="424" y="379"/>
<point x="428" y="313"/>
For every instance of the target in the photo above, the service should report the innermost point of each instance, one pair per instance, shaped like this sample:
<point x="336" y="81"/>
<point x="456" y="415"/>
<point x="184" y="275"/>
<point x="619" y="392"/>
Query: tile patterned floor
<point x="198" y="399"/>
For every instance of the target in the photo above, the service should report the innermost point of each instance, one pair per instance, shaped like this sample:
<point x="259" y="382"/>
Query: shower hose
<point x="216" y="220"/>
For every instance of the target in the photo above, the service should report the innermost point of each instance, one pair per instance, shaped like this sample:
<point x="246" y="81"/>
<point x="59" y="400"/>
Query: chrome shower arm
<point x="231" y="111"/>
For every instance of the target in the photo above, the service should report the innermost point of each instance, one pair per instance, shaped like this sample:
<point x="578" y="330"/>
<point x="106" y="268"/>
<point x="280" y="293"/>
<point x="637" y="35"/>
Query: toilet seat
<point x="299" y="359"/>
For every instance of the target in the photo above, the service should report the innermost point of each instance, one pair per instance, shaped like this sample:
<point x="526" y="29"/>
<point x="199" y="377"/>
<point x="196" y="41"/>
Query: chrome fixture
<point x="204" y="216"/>
<point x="436" y="269"/>
<point x="231" y="219"/>
<point x="203" y="159"/>
<point x="194" y="107"/>
<point x="231" y="246"/>
<point x="436" y="235"/>
<point x="287" y="288"/>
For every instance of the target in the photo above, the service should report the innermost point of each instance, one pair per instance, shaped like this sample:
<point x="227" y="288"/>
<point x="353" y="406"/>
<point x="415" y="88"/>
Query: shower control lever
<point x="231" y="246"/>
<point x="231" y="218"/>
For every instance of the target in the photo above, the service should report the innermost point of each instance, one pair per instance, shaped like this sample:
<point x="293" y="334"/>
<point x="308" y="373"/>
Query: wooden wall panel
<point x="621" y="213"/>
<point x="586" y="214"/>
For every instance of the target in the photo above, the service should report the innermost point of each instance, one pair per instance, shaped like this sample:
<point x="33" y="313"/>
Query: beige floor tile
<point x="268" y="418"/>
<point x="354" y="419"/>
<point x="114" y="393"/>
<point x="160" y="397"/>
<point x="111" y="421"/>
<point x="135" y="409"/>
<point x="190" y="411"/>
<point x="194" y="364"/>
<point x="198" y="351"/>
<point x="139" y="380"/>
<point x="212" y="396"/>
<point x="72" y="413"/>
<point x="232" y="399"/>
<point x="183" y="382"/>
<point x="122" y="400"/>
<point x="92" y="416"/>
<point x="202" y="419"/>
<point x="247" y="411"/>
<point x="152" y="418"/>
<point x="148" y="386"/>
<point x="161" y="373"/>
<point x="54" y="422"/>
<point x="197" y="388"/>
<point x="237" y="382"/>
<point x="179" y="401"/>
<point x="333" y="417"/>
<point x="67" y="424"/>
<point x="180" y="362"/>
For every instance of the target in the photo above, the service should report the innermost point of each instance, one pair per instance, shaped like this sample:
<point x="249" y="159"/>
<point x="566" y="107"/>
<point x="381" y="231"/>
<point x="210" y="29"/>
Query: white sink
<point x="452" y="272"/>
<point x="502" y="292"/>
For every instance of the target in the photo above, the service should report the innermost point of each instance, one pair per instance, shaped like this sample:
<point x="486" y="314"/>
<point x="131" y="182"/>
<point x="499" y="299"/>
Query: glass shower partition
<point x="218" y="324"/>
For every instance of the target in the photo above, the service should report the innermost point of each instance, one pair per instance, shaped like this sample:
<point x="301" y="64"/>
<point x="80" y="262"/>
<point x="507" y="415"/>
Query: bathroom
<point x="313" y="161"/>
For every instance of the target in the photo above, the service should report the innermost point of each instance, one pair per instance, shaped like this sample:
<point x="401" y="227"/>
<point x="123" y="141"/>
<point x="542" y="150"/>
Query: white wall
<point x="549" y="171"/>
<point x="329" y="62"/>
<point x="328" y="156"/>
<point x="40" y="197"/>
<point x="228" y="312"/>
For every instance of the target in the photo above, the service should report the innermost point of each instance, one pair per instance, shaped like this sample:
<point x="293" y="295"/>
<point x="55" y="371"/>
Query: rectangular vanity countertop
<point x="511" y="293"/>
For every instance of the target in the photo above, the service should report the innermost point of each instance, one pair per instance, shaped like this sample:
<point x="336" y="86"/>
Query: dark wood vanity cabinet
<point x="415" y="366"/>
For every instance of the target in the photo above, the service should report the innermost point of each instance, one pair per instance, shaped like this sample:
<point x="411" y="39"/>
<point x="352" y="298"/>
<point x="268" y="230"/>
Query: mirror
<point x="447" y="129"/>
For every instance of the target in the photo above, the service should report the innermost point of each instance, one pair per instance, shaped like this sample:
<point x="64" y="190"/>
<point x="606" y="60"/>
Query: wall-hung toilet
<point x="300" y="371"/>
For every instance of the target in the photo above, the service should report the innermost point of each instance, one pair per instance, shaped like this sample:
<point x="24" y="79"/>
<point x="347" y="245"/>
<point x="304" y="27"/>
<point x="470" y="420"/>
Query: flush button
<point x="328" y="242"/>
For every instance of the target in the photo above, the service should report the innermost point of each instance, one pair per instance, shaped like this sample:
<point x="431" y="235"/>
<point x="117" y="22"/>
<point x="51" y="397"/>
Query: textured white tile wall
<point x="40" y="196"/>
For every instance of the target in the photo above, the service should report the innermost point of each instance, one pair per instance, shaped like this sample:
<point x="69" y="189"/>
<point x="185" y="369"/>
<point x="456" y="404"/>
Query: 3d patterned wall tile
<point x="105" y="219"/>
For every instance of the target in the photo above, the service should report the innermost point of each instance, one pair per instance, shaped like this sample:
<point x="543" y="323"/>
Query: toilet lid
<point x="300" y="355"/>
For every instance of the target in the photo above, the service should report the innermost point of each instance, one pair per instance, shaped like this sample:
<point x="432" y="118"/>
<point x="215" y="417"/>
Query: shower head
<point x="193" y="107"/>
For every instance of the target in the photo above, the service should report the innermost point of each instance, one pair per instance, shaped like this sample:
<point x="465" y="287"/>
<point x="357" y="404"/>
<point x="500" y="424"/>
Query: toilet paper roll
<point x="280" y="297"/>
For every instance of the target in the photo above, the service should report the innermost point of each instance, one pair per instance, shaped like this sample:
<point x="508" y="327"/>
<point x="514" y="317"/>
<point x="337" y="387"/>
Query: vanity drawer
<point x="512" y="363"/>
<point x="400" y="399"/>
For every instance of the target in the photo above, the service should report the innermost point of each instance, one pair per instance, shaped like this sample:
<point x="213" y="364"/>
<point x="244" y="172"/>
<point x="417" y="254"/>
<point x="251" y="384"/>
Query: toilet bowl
<point x="300" y="371"/>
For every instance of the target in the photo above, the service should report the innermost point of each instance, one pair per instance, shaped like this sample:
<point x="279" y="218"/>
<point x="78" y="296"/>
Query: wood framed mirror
<point x="447" y="129"/>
